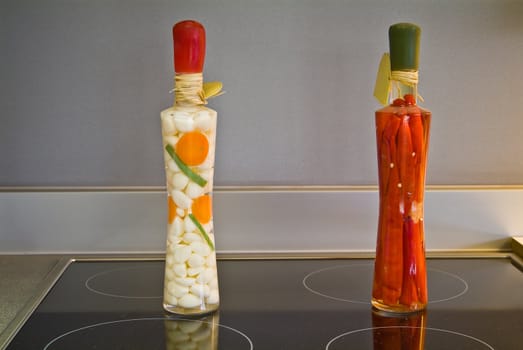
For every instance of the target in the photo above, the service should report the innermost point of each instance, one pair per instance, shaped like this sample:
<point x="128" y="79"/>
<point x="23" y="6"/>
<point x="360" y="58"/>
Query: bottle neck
<point x="188" y="89"/>
<point x="404" y="82"/>
<point x="400" y="89"/>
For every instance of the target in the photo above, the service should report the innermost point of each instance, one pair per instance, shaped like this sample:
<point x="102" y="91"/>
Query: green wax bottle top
<point x="404" y="39"/>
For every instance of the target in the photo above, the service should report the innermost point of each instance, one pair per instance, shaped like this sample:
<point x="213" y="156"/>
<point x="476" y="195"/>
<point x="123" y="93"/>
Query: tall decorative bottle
<point x="189" y="134"/>
<point x="402" y="134"/>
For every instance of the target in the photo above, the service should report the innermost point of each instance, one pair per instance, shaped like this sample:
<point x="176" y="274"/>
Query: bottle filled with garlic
<point x="189" y="135"/>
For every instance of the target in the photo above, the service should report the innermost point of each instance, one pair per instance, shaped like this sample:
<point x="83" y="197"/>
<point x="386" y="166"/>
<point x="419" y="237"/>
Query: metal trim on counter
<point x="258" y="188"/>
<point x="517" y="245"/>
<point x="127" y="220"/>
<point x="35" y="299"/>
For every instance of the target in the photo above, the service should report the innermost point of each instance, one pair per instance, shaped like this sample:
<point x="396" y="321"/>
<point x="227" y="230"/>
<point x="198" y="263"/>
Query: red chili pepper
<point x="410" y="100"/>
<point x="389" y="257"/>
<point x="388" y="150"/>
<point x="400" y="270"/>
<point x="418" y="149"/>
<point x="398" y="102"/>
<point x="409" y="293"/>
<point x="406" y="163"/>
<point x="421" y="276"/>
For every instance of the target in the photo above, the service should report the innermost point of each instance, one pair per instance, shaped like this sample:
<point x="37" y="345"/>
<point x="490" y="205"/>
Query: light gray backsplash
<point x="251" y="221"/>
<point x="82" y="84"/>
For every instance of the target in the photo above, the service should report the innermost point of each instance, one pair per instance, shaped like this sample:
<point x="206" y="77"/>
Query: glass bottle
<point x="402" y="135"/>
<point x="189" y="134"/>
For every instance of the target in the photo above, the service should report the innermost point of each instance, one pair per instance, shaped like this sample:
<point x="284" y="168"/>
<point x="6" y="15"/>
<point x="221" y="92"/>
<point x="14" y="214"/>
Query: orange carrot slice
<point x="184" y="168"/>
<point x="202" y="208"/>
<point x="192" y="148"/>
<point x="171" y="210"/>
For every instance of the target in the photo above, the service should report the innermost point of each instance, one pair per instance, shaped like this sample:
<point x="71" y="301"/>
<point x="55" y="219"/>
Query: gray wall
<point x="82" y="84"/>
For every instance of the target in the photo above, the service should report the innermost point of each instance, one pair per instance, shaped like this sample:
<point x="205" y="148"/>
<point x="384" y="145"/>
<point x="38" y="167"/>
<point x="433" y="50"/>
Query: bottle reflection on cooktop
<point x="398" y="332"/>
<point x="198" y="334"/>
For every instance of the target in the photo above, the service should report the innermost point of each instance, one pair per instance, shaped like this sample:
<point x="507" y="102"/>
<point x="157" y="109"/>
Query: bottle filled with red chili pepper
<point x="402" y="135"/>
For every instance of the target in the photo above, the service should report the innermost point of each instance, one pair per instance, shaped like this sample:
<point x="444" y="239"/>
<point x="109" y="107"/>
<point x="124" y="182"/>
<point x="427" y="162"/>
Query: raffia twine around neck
<point x="188" y="89"/>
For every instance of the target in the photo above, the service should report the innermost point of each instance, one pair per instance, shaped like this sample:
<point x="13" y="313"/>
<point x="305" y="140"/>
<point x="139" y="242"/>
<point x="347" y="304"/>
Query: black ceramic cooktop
<point x="279" y="304"/>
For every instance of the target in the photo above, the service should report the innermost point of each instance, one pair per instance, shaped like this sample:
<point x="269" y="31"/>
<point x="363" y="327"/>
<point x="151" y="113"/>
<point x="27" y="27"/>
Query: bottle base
<point x="197" y="311"/>
<point x="397" y="309"/>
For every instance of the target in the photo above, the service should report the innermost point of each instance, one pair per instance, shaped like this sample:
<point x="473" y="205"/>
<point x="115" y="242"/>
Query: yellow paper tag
<point x="212" y="89"/>
<point x="382" y="86"/>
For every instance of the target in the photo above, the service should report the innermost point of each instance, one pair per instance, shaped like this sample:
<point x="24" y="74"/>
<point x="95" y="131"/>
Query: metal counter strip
<point x="40" y="292"/>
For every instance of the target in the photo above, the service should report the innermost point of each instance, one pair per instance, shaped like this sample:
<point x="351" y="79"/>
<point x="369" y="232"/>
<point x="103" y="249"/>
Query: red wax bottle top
<point x="189" y="47"/>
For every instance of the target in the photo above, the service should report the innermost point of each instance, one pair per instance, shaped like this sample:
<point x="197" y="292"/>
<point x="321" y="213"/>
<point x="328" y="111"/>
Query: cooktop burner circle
<point x="123" y="282"/>
<point x="153" y="333"/>
<point x="338" y="283"/>
<point x="387" y="338"/>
